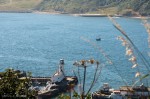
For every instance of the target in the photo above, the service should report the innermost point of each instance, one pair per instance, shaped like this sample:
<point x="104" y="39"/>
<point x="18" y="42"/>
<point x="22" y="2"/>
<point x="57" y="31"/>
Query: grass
<point x="17" y="5"/>
<point x="105" y="11"/>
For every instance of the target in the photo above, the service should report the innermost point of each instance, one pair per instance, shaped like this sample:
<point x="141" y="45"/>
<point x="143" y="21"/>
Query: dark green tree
<point x="15" y="84"/>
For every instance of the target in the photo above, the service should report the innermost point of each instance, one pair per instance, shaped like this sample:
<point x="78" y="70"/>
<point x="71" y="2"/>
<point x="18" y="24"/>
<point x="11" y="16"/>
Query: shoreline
<point x="46" y="12"/>
<point x="15" y="11"/>
<point x="114" y="16"/>
<point x="77" y="15"/>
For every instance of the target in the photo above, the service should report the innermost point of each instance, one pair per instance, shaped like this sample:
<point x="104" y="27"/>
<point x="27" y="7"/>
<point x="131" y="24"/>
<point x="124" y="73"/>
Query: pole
<point x="84" y="81"/>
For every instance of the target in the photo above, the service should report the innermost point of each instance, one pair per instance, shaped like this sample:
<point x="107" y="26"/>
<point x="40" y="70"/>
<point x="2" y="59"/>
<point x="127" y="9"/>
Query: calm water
<point x="36" y="42"/>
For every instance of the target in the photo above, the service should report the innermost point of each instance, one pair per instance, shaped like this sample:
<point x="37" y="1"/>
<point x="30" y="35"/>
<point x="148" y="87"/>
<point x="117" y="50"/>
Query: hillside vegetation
<point x="97" y="6"/>
<point x="80" y="6"/>
<point x="18" y="5"/>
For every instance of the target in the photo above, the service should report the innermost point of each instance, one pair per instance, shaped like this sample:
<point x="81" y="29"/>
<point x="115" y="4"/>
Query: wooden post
<point x="83" y="95"/>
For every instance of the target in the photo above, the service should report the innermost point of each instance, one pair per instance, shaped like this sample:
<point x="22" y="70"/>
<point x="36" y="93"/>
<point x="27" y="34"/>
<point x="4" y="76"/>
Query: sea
<point x="36" y="42"/>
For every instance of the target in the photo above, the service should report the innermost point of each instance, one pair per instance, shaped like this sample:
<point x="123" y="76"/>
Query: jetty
<point x="54" y="85"/>
<point x="54" y="89"/>
<point x="90" y="15"/>
<point x="43" y="80"/>
<point x="40" y="80"/>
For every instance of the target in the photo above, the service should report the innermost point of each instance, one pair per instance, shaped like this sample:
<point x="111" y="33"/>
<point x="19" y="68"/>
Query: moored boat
<point x="58" y="83"/>
<point x="124" y="92"/>
<point x="104" y="92"/>
<point x="136" y="92"/>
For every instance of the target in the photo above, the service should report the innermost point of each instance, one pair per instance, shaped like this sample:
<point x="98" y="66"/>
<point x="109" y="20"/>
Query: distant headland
<point x="81" y="8"/>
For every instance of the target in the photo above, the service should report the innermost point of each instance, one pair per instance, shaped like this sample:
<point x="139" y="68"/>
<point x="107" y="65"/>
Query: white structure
<point x="116" y="94"/>
<point x="59" y="75"/>
<point x="137" y="91"/>
<point x="106" y="87"/>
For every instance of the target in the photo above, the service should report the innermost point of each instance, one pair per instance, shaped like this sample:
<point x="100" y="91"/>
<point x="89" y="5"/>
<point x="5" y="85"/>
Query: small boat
<point x="98" y="39"/>
<point x="116" y="94"/>
<point x="106" y="89"/>
<point x="136" y="92"/>
<point x="104" y="92"/>
<point x="124" y="92"/>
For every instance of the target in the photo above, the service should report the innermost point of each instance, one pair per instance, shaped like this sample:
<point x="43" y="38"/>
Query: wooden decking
<point x="44" y="80"/>
<point x="40" y="80"/>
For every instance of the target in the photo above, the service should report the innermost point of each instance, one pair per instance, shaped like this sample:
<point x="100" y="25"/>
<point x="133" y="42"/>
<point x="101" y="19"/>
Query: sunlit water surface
<point x="36" y="42"/>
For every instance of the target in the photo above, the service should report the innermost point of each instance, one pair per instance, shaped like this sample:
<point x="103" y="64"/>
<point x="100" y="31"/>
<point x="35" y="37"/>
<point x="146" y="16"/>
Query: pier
<point x="91" y="15"/>
<point x="40" y="80"/>
<point x="44" y="80"/>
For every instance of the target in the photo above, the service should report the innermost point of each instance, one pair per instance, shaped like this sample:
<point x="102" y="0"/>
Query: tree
<point x="14" y="83"/>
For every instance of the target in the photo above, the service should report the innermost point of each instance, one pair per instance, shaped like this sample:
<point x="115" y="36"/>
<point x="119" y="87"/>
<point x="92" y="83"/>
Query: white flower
<point x="124" y="43"/>
<point x="129" y="52"/>
<point x="135" y="65"/>
<point x="137" y="74"/>
<point x="133" y="59"/>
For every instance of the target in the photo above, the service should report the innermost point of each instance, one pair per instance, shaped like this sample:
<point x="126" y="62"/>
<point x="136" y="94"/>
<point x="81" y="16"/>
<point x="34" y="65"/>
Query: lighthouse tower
<point x="61" y="65"/>
<point x="59" y="75"/>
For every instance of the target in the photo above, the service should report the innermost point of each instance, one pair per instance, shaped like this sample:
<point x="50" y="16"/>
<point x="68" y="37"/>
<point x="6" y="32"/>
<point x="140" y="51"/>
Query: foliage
<point x="131" y="49"/>
<point x="78" y="6"/>
<point x="18" y="5"/>
<point x="63" y="96"/>
<point x="83" y="6"/>
<point x="75" y="96"/>
<point x="14" y="83"/>
<point x="141" y="6"/>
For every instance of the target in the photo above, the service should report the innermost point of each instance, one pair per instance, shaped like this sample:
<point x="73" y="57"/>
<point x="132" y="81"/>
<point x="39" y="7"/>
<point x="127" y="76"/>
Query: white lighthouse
<point x="59" y="75"/>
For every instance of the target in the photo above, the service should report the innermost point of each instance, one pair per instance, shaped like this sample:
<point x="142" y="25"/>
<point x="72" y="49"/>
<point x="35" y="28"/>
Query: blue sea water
<point x="36" y="42"/>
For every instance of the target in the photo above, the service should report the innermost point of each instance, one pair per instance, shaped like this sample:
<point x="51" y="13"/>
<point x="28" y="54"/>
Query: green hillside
<point x="79" y="6"/>
<point x="142" y="6"/>
<point x="97" y="6"/>
<point x="18" y="5"/>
